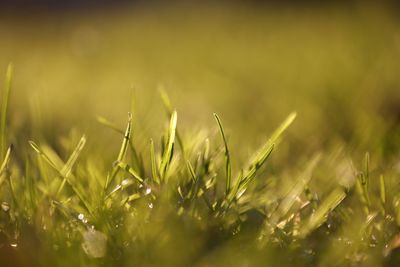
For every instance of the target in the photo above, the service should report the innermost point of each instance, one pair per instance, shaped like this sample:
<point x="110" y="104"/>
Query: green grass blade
<point x="66" y="170"/>
<point x="284" y="125"/>
<point x="126" y="139"/>
<point x="166" y="158"/>
<point x="228" y="167"/>
<point x="6" y="160"/>
<point x="47" y="159"/>
<point x="382" y="192"/>
<point x="4" y="106"/>
<point x="109" y="124"/>
<point x="320" y="215"/>
<point x="43" y="155"/>
<point x="295" y="192"/>
<point x="130" y="170"/>
<point x="191" y="171"/>
<point x="255" y="166"/>
<point x="122" y="152"/>
<point x="154" y="170"/>
<point x="168" y="106"/>
<point x="5" y="163"/>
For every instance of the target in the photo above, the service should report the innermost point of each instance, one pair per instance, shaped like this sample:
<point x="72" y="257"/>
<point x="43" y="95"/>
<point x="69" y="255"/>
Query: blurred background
<point x="336" y="64"/>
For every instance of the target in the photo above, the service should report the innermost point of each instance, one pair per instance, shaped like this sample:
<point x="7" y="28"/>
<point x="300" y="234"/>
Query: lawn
<point x="200" y="135"/>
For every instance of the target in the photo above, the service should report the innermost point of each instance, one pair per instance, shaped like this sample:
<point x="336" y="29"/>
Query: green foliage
<point x="191" y="207"/>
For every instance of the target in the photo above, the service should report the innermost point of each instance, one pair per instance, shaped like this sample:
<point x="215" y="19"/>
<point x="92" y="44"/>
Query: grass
<point x="191" y="207"/>
<point x="157" y="180"/>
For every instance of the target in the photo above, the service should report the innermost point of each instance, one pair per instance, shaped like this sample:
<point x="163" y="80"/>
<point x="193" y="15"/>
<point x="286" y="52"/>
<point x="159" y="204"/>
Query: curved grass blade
<point x="166" y="158"/>
<point x="228" y="167"/>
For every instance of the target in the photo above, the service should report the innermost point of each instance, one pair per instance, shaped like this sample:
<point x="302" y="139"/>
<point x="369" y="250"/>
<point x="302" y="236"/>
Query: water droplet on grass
<point x="148" y="191"/>
<point x="94" y="243"/>
<point x="82" y="218"/>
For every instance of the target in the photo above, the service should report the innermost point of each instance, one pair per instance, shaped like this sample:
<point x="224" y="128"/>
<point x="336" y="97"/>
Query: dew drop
<point x="5" y="206"/>
<point x="148" y="191"/>
<point x="125" y="182"/>
<point x="94" y="243"/>
<point x="82" y="218"/>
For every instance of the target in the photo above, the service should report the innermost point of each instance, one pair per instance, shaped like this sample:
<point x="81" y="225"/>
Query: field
<point x="200" y="135"/>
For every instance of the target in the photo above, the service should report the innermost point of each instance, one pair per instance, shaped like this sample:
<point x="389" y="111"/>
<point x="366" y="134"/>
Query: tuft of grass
<point x="186" y="208"/>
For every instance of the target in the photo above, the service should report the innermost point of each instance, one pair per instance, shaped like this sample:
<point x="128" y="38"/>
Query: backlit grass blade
<point x="43" y="155"/>
<point x="109" y="124"/>
<point x="66" y="170"/>
<point x="228" y="167"/>
<point x="4" y="165"/>
<point x="265" y="152"/>
<point x="112" y="126"/>
<point x="191" y="171"/>
<point x="125" y="141"/>
<point x="47" y="159"/>
<point x="382" y="192"/>
<point x="4" y="107"/>
<point x="284" y="125"/>
<point x="168" y="106"/>
<point x="320" y="215"/>
<point x="122" y="151"/>
<point x="154" y="170"/>
<point x="295" y="191"/>
<point x="130" y="170"/>
<point x="6" y="160"/>
<point x="166" y="157"/>
<point x="363" y="184"/>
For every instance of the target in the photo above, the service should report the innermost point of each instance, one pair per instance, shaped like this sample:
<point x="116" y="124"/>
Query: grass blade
<point x="4" y="165"/>
<point x="295" y="192"/>
<point x="4" y="106"/>
<point x="382" y="192"/>
<point x="130" y="170"/>
<point x="109" y="124"/>
<point x="76" y="190"/>
<point x="167" y="104"/>
<point x="122" y="151"/>
<point x="43" y="155"/>
<point x="266" y="151"/>
<point x="166" y="158"/>
<point x="126" y="139"/>
<point x="228" y="167"/>
<point x="154" y="170"/>
<point x="66" y="170"/>
<point x="319" y="216"/>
